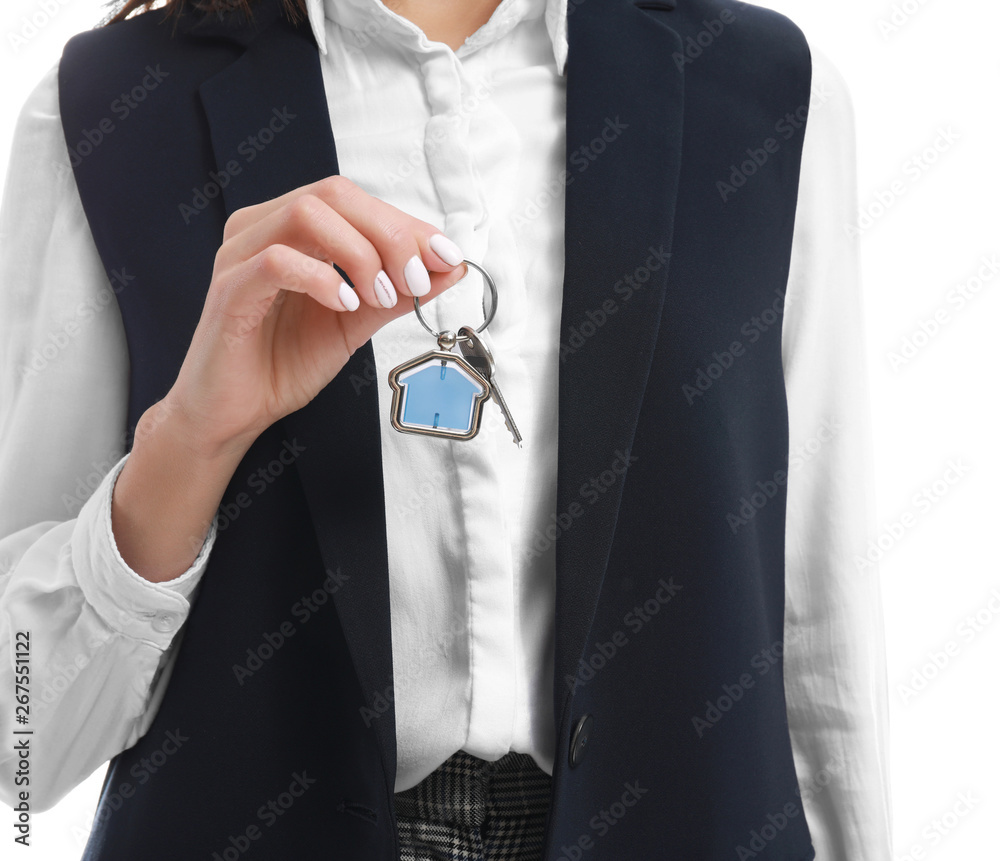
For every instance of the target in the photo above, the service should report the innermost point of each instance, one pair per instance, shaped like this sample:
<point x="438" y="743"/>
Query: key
<point x="478" y="355"/>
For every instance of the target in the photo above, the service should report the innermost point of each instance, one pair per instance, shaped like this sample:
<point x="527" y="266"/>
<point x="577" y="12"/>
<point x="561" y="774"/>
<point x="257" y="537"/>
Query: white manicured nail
<point x="447" y="250"/>
<point x="384" y="290"/>
<point x="416" y="276"/>
<point x="349" y="297"/>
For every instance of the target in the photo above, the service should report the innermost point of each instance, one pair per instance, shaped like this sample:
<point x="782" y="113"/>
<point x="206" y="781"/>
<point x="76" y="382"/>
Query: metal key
<point x="478" y="355"/>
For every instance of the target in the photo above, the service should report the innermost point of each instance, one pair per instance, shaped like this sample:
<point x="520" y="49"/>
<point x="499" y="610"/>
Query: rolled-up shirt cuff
<point x="128" y="603"/>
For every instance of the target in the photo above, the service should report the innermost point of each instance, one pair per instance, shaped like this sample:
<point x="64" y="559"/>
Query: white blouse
<point x="470" y="141"/>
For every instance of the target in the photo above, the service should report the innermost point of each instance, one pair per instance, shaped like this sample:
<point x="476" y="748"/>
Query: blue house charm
<point x="438" y="394"/>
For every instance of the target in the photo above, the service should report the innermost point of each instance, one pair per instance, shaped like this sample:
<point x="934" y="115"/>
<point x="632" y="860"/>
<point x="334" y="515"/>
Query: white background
<point x="915" y="69"/>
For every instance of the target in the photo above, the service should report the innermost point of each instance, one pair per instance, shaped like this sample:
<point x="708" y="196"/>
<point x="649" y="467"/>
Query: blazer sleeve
<point x="834" y="649"/>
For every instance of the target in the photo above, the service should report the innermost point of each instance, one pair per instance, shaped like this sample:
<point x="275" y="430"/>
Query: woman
<point x="590" y="638"/>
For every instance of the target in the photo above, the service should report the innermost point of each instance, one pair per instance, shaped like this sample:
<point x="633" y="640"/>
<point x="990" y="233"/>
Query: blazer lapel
<point x="623" y="142"/>
<point x="276" y="84"/>
<point x="624" y="113"/>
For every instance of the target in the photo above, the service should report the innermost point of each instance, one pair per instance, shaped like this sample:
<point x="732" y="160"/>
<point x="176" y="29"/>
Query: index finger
<point x="330" y="189"/>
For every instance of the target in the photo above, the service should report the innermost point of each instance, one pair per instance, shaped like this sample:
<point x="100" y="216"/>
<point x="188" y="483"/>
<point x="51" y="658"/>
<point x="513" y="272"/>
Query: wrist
<point x="168" y="419"/>
<point x="169" y="490"/>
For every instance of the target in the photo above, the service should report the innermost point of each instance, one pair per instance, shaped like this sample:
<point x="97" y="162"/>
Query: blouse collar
<point x="372" y="16"/>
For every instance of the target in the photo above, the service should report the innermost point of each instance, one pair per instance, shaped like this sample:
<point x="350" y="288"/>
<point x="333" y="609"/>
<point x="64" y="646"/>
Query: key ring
<point x="441" y="393"/>
<point x="448" y="335"/>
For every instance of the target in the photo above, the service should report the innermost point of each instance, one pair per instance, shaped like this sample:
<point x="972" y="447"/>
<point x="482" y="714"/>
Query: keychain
<point x="441" y="393"/>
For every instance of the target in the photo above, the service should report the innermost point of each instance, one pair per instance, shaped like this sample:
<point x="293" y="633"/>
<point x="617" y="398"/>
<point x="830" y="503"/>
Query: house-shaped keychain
<point x="438" y="394"/>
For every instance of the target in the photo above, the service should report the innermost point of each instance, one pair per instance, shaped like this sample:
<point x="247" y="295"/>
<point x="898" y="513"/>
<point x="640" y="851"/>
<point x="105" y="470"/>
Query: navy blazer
<point x="663" y="751"/>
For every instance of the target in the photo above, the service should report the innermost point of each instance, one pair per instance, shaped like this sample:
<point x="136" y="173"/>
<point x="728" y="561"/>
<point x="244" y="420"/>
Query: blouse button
<point x="165" y="622"/>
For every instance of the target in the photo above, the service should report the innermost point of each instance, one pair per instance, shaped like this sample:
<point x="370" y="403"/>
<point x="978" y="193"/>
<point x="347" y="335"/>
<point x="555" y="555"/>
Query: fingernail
<point x="416" y="276"/>
<point x="447" y="250"/>
<point x="349" y="297"/>
<point x="384" y="290"/>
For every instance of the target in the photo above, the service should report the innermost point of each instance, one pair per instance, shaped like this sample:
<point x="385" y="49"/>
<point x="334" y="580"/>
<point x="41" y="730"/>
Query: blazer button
<point x="578" y="741"/>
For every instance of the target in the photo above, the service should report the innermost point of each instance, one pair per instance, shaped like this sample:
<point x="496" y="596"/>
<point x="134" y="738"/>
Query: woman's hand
<point x="279" y="322"/>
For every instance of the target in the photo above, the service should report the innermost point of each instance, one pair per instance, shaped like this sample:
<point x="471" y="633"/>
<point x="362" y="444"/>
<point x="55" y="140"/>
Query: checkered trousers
<point x="469" y="809"/>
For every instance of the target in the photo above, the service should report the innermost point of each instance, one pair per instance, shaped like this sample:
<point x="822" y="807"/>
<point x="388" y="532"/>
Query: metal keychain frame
<point x="448" y="337"/>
